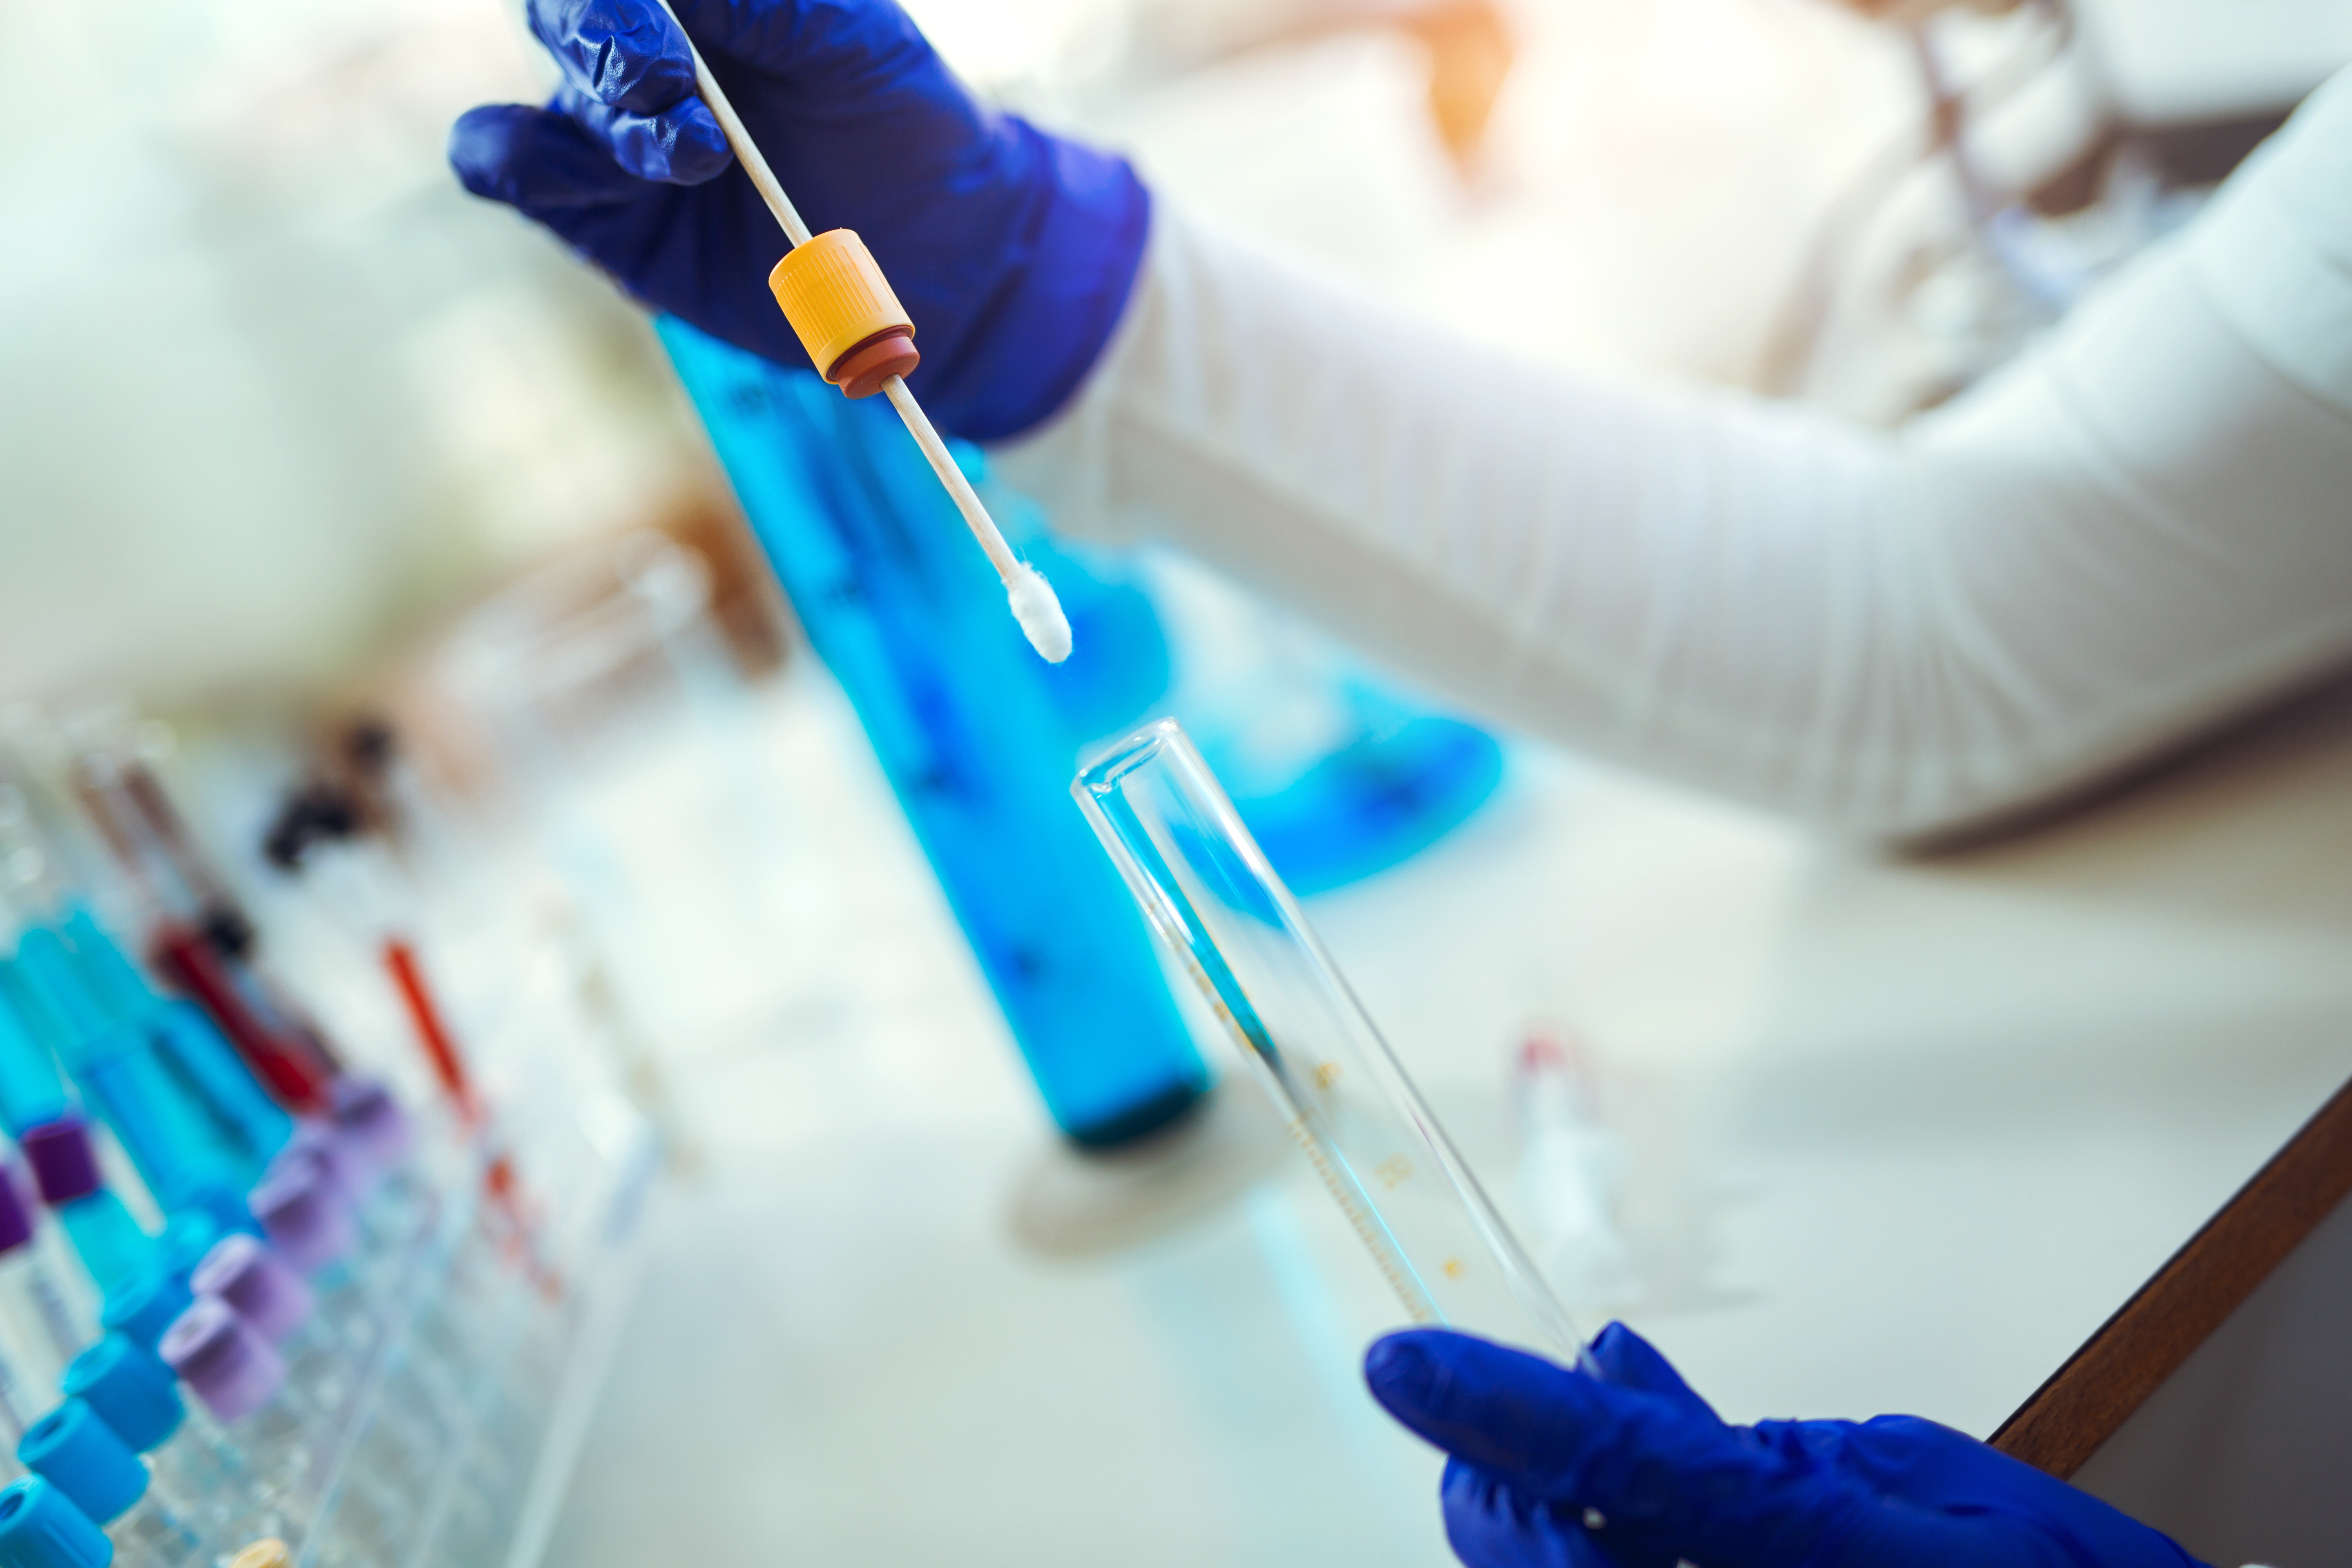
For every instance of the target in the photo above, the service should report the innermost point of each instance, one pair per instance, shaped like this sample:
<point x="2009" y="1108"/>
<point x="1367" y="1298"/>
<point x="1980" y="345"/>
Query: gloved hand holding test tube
<point x="1613" y="1464"/>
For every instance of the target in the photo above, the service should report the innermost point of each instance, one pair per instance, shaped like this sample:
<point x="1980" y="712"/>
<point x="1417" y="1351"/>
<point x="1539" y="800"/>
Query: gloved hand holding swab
<point x="861" y="339"/>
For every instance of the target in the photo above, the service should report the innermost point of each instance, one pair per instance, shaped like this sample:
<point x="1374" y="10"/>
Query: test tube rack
<point x="527" y="1389"/>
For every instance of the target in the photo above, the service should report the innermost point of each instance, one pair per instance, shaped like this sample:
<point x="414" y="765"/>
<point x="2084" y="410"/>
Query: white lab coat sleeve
<point x="2138" y="528"/>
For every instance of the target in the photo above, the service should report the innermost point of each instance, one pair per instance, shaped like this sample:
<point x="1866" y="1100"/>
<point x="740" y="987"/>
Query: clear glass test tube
<point x="1213" y="897"/>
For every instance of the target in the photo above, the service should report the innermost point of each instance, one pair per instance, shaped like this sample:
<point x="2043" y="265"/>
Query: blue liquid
<point x="192" y="1051"/>
<point x="177" y="1145"/>
<point x="172" y="1153"/>
<point x="111" y="1247"/>
<point x="906" y="612"/>
<point x="31" y="1092"/>
<point x="1374" y="803"/>
<point x="187" y="1045"/>
<point x="1122" y="664"/>
<point x="1399" y="779"/>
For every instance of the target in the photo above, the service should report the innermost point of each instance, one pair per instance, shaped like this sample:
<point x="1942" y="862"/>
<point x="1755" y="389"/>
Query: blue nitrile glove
<point x="1535" y="1447"/>
<point x="1011" y="250"/>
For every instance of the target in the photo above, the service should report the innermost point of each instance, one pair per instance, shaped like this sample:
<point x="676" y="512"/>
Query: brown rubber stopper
<point x="861" y="372"/>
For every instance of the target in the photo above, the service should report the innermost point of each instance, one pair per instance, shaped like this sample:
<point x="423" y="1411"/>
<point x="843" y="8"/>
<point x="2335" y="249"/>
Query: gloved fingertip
<point x="1510" y="1411"/>
<point x="479" y="143"/>
<point x="1402" y="1372"/>
<point x="1627" y="1360"/>
<point x="534" y="159"/>
<point x="698" y="150"/>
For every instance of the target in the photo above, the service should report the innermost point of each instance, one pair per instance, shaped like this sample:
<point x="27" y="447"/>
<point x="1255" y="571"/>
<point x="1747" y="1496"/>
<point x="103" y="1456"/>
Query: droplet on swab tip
<point x="1040" y="614"/>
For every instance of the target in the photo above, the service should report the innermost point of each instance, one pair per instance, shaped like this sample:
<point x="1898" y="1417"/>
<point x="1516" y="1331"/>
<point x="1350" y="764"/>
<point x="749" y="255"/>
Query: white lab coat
<point x="2141" y="527"/>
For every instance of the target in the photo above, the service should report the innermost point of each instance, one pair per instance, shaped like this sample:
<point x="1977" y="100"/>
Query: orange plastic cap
<point x="836" y="299"/>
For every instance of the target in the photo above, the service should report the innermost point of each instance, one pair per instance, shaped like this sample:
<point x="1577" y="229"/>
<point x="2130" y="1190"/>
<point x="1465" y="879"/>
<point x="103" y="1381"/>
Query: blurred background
<point x="297" y="439"/>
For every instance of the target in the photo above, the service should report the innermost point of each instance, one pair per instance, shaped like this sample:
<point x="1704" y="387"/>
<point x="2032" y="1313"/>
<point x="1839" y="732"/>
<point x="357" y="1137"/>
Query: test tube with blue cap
<point x="82" y="1457"/>
<point x="40" y="1527"/>
<point x="173" y="1143"/>
<point x="1407" y="1193"/>
<point x="192" y="1118"/>
<point x="184" y="1038"/>
<point x="126" y="1378"/>
<point x="145" y="1305"/>
<point x="136" y="1396"/>
<point x="178" y="1102"/>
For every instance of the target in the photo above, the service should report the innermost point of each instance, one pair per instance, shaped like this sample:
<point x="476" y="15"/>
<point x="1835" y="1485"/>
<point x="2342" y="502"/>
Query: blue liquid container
<point x="1375" y="802"/>
<point x="105" y="1238"/>
<point x="31" y="1092"/>
<point x="186" y="1045"/>
<point x="906" y="612"/>
<point x="179" y="1150"/>
<point x="112" y="1248"/>
<point x="1124" y="664"/>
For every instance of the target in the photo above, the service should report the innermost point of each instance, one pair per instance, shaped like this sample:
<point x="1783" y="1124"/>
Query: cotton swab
<point x="862" y="341"/>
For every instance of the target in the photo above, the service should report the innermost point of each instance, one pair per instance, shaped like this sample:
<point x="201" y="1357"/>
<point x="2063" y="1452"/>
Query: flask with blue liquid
<point x="911" y="622"/>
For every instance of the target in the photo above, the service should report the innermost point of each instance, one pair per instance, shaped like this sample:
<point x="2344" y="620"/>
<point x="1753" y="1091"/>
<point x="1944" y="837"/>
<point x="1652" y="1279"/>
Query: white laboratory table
<point x="1898" y="1136"/>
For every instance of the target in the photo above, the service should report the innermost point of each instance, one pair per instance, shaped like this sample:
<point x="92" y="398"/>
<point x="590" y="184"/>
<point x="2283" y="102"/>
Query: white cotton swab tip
<point x="1039" y="613"/>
